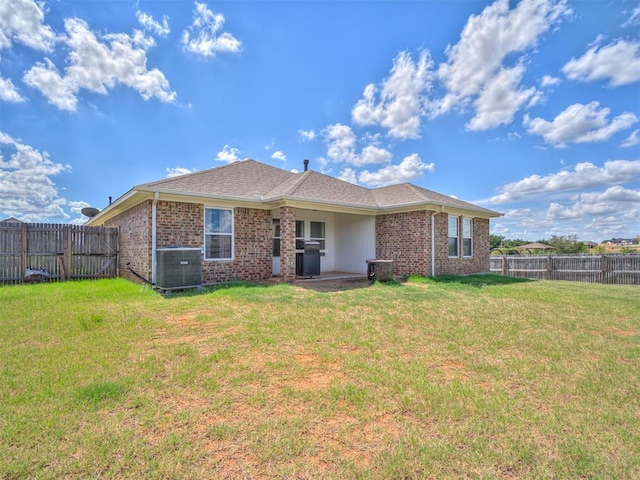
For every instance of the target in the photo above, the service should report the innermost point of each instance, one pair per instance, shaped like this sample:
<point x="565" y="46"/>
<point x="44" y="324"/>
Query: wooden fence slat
<point x="64" y="251"/>
<point x="614" y="268"/>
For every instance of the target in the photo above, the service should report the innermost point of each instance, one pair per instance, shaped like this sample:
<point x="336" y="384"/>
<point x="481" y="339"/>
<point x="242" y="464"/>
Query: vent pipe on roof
<point x="306" y="165"/>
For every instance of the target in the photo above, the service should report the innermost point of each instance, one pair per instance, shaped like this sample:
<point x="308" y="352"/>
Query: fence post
<point x="68" y="250"/>
<point x="548" y="267"/>
<point x="603" y="269"/>
<point x="504" y="266"/>
<point x="25" y="250"/>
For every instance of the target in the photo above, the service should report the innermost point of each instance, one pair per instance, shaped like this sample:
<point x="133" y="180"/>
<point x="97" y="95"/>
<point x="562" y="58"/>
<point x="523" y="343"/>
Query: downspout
<point x="154" y="237"/>
<point x="433" y="241"/>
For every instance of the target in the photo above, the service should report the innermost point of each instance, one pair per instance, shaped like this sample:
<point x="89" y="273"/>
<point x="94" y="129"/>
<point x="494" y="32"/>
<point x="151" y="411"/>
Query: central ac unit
<point x="178" y="268"/>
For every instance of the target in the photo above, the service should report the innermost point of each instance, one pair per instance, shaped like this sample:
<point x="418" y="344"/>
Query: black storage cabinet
<point x="311" y="259"/>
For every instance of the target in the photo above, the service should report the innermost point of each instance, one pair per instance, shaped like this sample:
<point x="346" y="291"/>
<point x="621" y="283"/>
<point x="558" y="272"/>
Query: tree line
<point x="562" y="243"/>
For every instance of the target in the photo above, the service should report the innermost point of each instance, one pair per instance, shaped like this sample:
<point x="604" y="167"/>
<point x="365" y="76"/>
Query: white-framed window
<point x="300" y="234"/>
<point x="317" y="235"/>
<point x="454" y="236"/>
<point x="467" y="237"/>
<point x="276" y="237"/>
<point x="218" y="234"/>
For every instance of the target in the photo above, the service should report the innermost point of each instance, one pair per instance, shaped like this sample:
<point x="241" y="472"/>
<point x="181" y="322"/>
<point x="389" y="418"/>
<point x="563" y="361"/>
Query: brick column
<point x="288" y="243"/>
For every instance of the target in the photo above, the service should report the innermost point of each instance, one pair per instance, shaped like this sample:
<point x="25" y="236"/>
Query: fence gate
<point x="62" y="251"/>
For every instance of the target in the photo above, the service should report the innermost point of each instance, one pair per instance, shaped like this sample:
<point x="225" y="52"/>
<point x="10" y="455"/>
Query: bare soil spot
<point x="625" y="333"/>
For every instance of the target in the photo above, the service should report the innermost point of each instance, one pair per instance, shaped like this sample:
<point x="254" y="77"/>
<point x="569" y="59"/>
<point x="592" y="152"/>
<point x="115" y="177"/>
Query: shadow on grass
<point x="340" y="285"/>
<point x="479" y="281"/>
<point x="196" y="291"/>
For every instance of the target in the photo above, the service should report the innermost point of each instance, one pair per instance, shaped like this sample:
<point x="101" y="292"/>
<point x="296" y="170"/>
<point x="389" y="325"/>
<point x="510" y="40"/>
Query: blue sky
<point x="530" y="108"/>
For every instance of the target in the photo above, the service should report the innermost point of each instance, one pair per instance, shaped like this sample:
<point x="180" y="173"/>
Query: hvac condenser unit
<point x="178" y="268"/>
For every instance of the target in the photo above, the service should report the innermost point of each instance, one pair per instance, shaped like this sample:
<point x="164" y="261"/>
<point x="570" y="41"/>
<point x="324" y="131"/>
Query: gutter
<point x="154" y="237"/>
<point x="433" y="241"/>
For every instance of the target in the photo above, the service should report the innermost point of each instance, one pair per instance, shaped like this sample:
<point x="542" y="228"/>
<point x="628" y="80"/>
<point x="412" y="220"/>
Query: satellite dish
<point x="90" y="212"/>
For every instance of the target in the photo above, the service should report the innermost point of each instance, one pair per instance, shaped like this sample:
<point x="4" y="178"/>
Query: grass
<point x="455" y="377"/>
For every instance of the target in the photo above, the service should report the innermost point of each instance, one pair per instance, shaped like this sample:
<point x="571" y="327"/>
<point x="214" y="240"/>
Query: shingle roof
<point x="247" y="179"/>
<point x="253" y="180"/>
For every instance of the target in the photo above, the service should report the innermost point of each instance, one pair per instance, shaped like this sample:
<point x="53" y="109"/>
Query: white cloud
<point x="9" y="92"/>
<point x="549" y="81"/>
<point x="26" y="189"/>
<point x="341" y="143"/>
<point x="397" y="103"/>
<point x="585" y="175"/>
<point x="99" y="65"/>
<point x="348" y="175"/>
<point x="228" y="154"/>
<point x="278" y="155"/>
<point x="579" y="123"/>
<point x="307" y="134"/>
<point x="177" y="171"/>
<point x="615" y="200"/>
<point x="632" y="140"/>
<point x="475" y="64"/>
<point x="342" y="147"/>
<point x="22" y="21"/>
<point x="204" y="36"/>
<point x="500" y="99"/>
<point x="634" y="18"/>
<point x="618" y="62"/>
<point x="410" y="168"/>
<point x="152" y="25"/>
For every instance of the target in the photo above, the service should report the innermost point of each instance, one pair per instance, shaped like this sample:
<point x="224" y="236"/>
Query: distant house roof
<point x="11" y="220"/>
<point x="250" y="182"/>
<point x="536" y="246"/>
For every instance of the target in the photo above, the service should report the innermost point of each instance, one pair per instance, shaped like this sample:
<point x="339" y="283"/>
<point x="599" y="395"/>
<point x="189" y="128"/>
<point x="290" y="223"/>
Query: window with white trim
<point x="467" y="237"/>
<point x="454" y="236"/>
<point x="317" y="235"/>
<point x="218" y="234"/>
<point x="299" y="234"/>
<point x="276" y="237"/>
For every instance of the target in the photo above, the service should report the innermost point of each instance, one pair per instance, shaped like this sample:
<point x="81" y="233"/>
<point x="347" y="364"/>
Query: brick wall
<point x="181" y="224"/>
<point x="135" y="240"/>
<point x="405" y="238"/>
<point x="253" y="249"/>
<point x="478" y="263"/>
<point x="288" y="243"/>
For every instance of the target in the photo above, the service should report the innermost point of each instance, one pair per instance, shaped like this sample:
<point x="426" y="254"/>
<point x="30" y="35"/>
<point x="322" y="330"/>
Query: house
<point x="251" y="220"/>
<point x="11" y="220"/>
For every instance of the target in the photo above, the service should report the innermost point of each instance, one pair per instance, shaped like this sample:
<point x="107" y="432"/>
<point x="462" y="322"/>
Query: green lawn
<point x="477" y="377"/>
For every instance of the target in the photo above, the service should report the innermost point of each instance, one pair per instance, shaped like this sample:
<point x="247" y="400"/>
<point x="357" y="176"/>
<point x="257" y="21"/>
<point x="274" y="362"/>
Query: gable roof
<point x="251" y="182"/>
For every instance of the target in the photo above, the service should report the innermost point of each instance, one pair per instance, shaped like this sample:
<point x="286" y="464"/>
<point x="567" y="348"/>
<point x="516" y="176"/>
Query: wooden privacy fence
<point x="63" y="251"/>
<point x="622" y="269"/>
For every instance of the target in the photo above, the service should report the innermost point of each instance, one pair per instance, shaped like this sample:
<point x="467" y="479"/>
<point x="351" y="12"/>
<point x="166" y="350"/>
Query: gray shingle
<point x="253" y="180"/>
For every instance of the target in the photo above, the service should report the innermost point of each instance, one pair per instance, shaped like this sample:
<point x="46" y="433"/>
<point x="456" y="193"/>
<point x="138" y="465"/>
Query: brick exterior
<point x="135" y="240"/>
<point x="288" y="243"/>
<point x="478" y="263"/>
<point x="405" y="238"/>
<point x="181" y="224"/>
<point x="253" y="249"/>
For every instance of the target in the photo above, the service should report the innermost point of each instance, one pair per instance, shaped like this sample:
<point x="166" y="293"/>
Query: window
<point x="276" y="237"/>
<point x="218" y="234"/>
<point x="454" y="236"/>
<point x="317" y="234"/>
<point x="299" y="234"/>
<point x="467" y="237"/>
